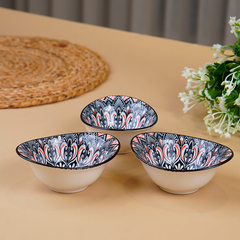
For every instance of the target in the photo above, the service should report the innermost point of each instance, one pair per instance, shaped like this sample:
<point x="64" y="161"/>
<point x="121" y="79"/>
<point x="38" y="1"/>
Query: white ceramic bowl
<point x="68" y="163"/>
<point x="179" y="164"/>
<point x="120" y="116"/>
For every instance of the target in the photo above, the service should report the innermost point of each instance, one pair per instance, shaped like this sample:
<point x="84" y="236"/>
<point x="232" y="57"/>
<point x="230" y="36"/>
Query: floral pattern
<point x="178" y="152"/>
<point x="73" y="151"/>
<point x="119" y="112"/>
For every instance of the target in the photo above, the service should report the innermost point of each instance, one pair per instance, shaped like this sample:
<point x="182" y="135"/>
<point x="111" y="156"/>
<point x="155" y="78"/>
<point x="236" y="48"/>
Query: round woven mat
<point x="35" y="71"/>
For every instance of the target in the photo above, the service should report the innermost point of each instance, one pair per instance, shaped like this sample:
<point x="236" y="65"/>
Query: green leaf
<point x="235" y="43"/>
<point x="211" y="102"/>
<point x="232" y="97"/>
<point x="211" y="83"/>
<point x="230" y="100"/>
<point x="238" y="89"/>
<point x="236" y="49"/>
<point x="220" y="70"/>
<point x="231" y="65"/>
<point x="235" y="110"/>
<point x="237" y="75"/>
<point x="211" y="69"/>
<point x="214" y="93"/>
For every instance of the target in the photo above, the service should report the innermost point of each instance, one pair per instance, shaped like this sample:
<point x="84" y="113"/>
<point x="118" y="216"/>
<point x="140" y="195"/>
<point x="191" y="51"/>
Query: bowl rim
<point x="184" y="171"/>
<point x="114" y="129"/>
<point x="67" y="168"/>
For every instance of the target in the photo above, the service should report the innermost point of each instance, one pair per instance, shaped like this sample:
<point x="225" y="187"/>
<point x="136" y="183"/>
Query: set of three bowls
<point x="119" y="124"/>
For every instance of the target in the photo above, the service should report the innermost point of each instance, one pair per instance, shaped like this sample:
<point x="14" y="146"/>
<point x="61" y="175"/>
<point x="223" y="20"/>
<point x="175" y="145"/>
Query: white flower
<point x="232" y="21"/>
<point x="225" y="82"/>
<point x="185" y="109"/>
<point x="201" y="71"/>
<point x="232" y="130"/>
<point x="235" y="26"/>
<point x="221" y="103"/>
<point x="190" y="92"/>
<point x="200" y="92"/>
<point x="219" y="118"/>
<point x="186" y="73"/>
<point x="228" y="92"/>
<point x="209" y="129"/>
<point x="189" y="82"/>
<point x="223" y="59"/>
<point x="229" y="88"/>
<point x="217" y="130"/>
<point x="204" y="77"/>
<point x="209" y="117"/>
<point x="209" y="111"/>
<point x="202" y="74"/>
<point x="215" y="56"/>
<point x="206" y="65"/>
<point x="217" y="47"/>
<point x="227" y="135"/>
<point x="183" y="96"/>
<point x="186" y="102"/>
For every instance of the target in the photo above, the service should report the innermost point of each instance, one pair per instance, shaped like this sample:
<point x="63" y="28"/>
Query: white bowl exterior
<point x="124" y="137"/>
<point x="67" y="180"/>
<point x="179" y="182"/>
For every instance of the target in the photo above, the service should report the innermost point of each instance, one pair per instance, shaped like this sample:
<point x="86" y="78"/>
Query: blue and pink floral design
<point x="118" y="112"/>
<point x="178" y="152"/>
<point x="70" y="151"/>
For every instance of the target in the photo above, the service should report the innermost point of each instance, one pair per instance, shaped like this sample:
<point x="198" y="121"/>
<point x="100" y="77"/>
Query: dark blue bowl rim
<point x="175" y="170"/>
<point x="66" y="168"/>
<point x="114" y="129"/>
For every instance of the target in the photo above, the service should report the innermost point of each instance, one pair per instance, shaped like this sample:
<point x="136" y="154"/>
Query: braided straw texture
<point x="36" y="71"/>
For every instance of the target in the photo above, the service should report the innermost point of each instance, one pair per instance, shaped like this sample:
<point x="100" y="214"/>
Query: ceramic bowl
<point x="120" y="116"/>
<point x="70" y="162"/>
<point x="179" y="164"/>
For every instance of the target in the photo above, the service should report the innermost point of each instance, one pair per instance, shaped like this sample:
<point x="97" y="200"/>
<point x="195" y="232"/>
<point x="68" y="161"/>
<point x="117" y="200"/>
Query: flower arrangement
<point x="217" y="86"/>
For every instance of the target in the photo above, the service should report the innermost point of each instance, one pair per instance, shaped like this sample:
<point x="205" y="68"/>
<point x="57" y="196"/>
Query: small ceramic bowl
<point x="120" y="116"/>
<point x="70" y="162"/>
<point x="179" y="164"/>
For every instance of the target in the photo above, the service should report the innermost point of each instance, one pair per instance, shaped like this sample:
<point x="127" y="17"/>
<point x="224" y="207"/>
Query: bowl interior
<point x="119" y="113"/>
<point x="73" y="151"/>
<point x="178" y="152"/>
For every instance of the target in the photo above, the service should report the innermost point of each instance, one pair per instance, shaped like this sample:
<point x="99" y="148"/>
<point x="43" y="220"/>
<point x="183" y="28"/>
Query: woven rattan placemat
<point x="36" y="70"/>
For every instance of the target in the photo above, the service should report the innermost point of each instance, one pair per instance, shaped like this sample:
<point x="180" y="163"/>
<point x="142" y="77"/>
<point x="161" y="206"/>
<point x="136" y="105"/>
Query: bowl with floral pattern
<point x="69" y="163"/>
<point x="177" y="163"/>
<point x="121" y="116"/>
